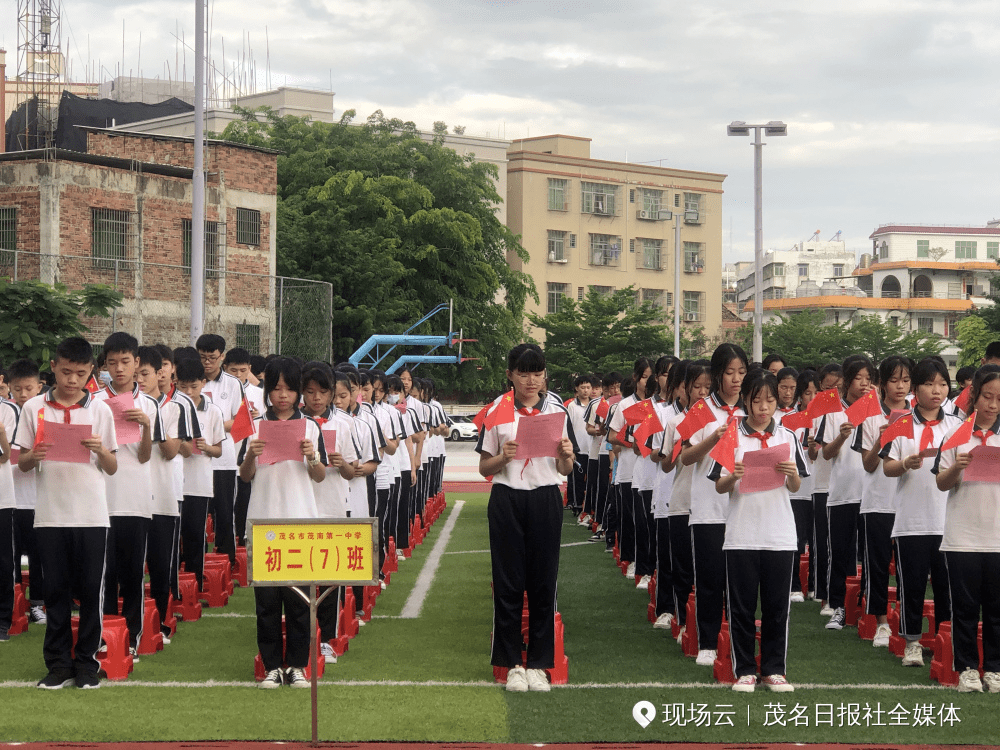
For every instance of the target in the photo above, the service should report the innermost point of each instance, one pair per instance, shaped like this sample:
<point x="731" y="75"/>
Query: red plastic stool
<point x="215" y="592"/>
<point x="115" y="660"/>
<point x="258" y="663"/>
<point x="927" y="639"/>
<point x="943" y="662"/>
<point x="689" y="643"/>
<point x="558" y="674"/>
<point x="241" y="574"/>
<point x="151" y="639"/>
<point x="348" y="618"/>
<point x="852" y="610"/>
<point x="188" y="608"/>
<point x="651" y="607"/>
<point x="209" y="529"/>
<point x="227" y="568"/>
<point x="722" y="668"/>
<point x="804" y="573"/>
<point x="19" y="620"/>
<point x="391" y="563"/>
<point x="371" y="594"/>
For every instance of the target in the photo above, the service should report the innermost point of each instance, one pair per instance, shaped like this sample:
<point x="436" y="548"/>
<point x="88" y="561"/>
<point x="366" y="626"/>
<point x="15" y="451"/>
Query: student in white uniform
<point x="835" y="435"/>
<point x="400" y="526"/>
<point x="8" y="503"/>
<point x="830" y="376"/>
<point x="237" y="364"/>
<point x="283" y="490"/>
<point x="878" y="494"/>
<point x="525" y="522"/>
<point x="129" y="490"/>
<point x="760" y="543"/>
<point x="198" y="486"/>
<point x="971" y="542"/>
<point x="71" y="515"/>
<point x="22" y="376"/>
<point x="806" y="387"/>
<point x="920" y="507"/>
<point x="709" y="508"/>
<point x="395" y="459"/>
<point x="577" y="408"/>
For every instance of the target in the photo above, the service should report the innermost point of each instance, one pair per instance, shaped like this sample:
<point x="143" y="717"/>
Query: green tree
<point x="601" y="333"/>
<point x="974" y="335"/>
<point x="35" y="317"/>
<point x="397" y="225"/>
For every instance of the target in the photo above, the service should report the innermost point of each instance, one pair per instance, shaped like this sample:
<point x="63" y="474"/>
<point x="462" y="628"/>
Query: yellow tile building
<point x="589" y="222"/>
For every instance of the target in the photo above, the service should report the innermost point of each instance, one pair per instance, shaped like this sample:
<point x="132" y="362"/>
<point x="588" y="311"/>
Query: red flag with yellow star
<point x="902" y="427"/>
<point x="866" y="406"/>
<point x="725" y="450"/>
<point x="503" y="413"/>
<point x="825" y="402"/>
<point x="649" y="426"/>
<point x="962" y="435"/>
<point x="697" y="417"/>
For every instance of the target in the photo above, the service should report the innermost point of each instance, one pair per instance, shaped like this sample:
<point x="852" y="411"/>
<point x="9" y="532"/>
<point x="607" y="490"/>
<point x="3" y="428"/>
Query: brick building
<point x="120" y="214"/>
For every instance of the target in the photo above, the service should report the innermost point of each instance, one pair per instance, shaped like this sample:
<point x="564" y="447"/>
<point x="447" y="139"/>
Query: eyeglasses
<point x="209" y="358"/>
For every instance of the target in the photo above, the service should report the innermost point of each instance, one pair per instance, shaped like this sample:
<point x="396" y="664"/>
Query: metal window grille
<point x="557" y="242"/>
<point x="694" y="261"/>
<point x="604" y="291"/>
<point x="8" y="228"/>
<point x="597" y="198"/>
<point x="654" y="296"/>
<point x="694" y="307"/>
<point x="248" y="226"/>
<point x="965" y="249"/>
<point x="248" y="337"/>
<point x="651" y="253"/>
<point x="925" y="325"/>
<point x="112" y="237"/>
<point x="605" y="250"/>
<point x="652" y="201"/>
<point x="213" y="247"/>
<point x="556" y="292"/>
<point x="557" y="195"/>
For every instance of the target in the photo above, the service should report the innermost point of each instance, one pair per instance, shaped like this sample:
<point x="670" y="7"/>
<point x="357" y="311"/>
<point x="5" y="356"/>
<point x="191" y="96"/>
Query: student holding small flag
<point x="643" y="422"/>
<point x="760" y="543"/>
<point x="798" y="421"/>
<point x="846" y="472"/>
<point x="920" y="506"/>
<point x="971" y="541"/>
<point x="525" y="523"/>
<point x="878" y="493"/>
<point x="576" y="488"/>
<point x="708" y="508"/>
<point x="831" y="377"/>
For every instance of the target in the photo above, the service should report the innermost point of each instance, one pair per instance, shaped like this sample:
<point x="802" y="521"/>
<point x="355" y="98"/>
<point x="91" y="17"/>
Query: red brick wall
<point x="27" y="202"/>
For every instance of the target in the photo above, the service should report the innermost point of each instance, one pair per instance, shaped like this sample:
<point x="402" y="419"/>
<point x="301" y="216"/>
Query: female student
<point x="787" y="378"/>
<point x="760" y="544"/>
<point x="283" y="490"/>
<point x="846" y="471"/>
<point x="878" y="511"/>
<point x="806" y="387"/>
<point x="830" y="376"/>
<point x="920" y="507"/>
<point x="971" y="541"/>
<point x="708" y="509"/>
<point x="525" y="521"/>
<point x="669" y="401"/>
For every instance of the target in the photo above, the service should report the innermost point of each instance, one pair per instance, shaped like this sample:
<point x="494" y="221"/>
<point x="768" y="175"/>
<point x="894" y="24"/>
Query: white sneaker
<point x="37" y="614"/>
<point x="630" y="571"/>
<point x="382" y="585"/>
<point x="296" y="678"/>
<point x="680" y="638"/>
<point x="517" y="680"/>
<point x="826" y="611"/>
<point x="538" y="681"/>
<point x="913" y="656"/>
<point x="991" y="681"/>
<point x="327" y="652"/>
<point x="745" y="684"/>
<point x="664" y="621"/>
<point x="969" y="682"/>
<point x="272" y="680"/>
<point x="777" y="683"/>
<point x="706" y="657"/>
<point x="585" y="521"/>
<point x="837" y="620"/>
<point x="812" y="596"/>
<point x="882" y="634"/>
<point x="644" y="583"/>
<point x="797" y="596"/>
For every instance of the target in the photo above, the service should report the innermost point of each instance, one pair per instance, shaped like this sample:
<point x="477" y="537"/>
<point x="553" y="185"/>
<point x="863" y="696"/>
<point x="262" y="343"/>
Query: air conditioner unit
<point x="642" y="214"/>
<point x="690" y="316"/>
<point x="692" y="217"/>
<point x="664" y="215"/>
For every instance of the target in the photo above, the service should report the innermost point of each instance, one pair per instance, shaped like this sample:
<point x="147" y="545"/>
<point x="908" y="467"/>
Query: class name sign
<point x="328" y="551"/>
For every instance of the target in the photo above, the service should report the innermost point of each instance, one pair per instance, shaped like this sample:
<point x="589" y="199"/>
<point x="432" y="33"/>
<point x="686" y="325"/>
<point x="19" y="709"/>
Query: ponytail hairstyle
<point x="663" y="366"/>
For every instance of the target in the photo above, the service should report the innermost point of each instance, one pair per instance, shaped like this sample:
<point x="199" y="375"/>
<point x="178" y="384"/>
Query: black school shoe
<point x="4" y="635"/>
<point x="88" y="681"/>
<point x="55" y="680"/>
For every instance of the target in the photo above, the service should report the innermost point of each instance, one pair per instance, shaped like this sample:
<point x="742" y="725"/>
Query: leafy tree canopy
<point x="974" y="335"/>
<point x="397" y="225"/>
<point x="35" y="317"/>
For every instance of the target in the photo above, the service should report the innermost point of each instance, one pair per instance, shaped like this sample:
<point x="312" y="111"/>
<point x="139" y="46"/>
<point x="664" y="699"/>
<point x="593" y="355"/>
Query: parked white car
<point x="462" y="428"/>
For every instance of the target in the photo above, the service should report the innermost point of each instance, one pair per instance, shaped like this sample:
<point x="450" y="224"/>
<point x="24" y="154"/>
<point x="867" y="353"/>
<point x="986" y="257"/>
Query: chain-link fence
<point x="262" y="314"/>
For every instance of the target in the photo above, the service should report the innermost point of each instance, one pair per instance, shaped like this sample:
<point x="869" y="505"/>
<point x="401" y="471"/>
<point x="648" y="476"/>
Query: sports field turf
<point x="429" y="678"/>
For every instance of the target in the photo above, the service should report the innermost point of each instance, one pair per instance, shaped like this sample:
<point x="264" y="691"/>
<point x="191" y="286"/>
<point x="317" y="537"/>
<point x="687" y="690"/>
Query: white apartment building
<point x="784" y="270"/>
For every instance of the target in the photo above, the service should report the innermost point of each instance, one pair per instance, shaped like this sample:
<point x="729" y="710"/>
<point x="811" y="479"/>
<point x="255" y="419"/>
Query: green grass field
<point x="429" y="678"/>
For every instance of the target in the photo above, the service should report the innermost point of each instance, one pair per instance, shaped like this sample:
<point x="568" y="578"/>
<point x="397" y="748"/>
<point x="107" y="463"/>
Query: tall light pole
<point x="775" y="127"/>
<point x="198" y="180"/>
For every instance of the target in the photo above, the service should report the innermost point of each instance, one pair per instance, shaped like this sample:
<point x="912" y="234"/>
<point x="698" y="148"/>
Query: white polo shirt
<point x="285" y="489"/>
<point x="8" y="496"/>
<point x="168" y="476"/>
<point x="130" y="489"/>
<point x="69" y="494"/>
<point x="25" y="482"/>
<point x="523" y="474"/>
<point x="680" y="491"/>
<point x="331" y="493"/>
<point x="846" y="468"/>
<point x="226" y="392"/>
<point x="198" y="467"/>
<point x="878" y="491"/>
<point x="972" y="512"/>
<point x="626" y="456"/>
<point x="707" y="505"/>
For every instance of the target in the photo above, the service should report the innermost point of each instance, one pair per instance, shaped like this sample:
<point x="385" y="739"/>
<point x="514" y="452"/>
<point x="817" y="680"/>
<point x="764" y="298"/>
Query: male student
<point x="8" y="426"/>
<point x="577" y="408"/>
<point x="71" y="514"/>
<point x="130" y="489"/>
<point x="226" y="392"/>
<point x="237" y="364"/>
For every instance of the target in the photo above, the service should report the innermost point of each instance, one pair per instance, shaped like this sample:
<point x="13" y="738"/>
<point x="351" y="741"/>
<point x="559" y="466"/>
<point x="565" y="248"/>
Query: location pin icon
<point x="643" y="712"/>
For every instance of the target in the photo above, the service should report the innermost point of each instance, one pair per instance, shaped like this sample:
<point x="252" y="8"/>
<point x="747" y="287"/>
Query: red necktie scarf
<point x="64" y="409"/>
<point x="927" y="436"/>
<point x="983" y="435"/>
<point x="763" y="437"/>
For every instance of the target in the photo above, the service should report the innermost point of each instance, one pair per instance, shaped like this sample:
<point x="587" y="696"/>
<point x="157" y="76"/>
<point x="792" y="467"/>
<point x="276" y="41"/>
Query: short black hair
<point x="926" y="370"/>
<point x="787" y="372"/>
<point x="318" y="373"/>
<point x="237" y="356"/>
<point x="190" y="369"/>
<point x="210" y="342"/>
<point x="770" y="359"/>
<point x="150" y="355"/>
<point x="22" y="368"/>
<point x="581" y="380"/>
<point x="992" y="351"/>
<point x="76" y="350"/>
<point x="612" y="378"/>
<point x="121" y="343"/>
<point x="283" y="368"/>
<point x="182" y="352"/>
<point x="394" y="383"/>
<point x="257" y="364"/>
<point x="166" y="353"/>
<point x="965" y="373"/>
<point x="526" y="358"/>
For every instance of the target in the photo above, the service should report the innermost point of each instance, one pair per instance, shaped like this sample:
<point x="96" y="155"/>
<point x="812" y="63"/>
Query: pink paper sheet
<point x="65" y="442"/>
<point x="126" y="432"/>
<point x="538" y="437"/>
<point x="985" y="466"/>
<point x="282" y="440"/>
<point x="761" y="472"/>
<point x="330" y="440"/>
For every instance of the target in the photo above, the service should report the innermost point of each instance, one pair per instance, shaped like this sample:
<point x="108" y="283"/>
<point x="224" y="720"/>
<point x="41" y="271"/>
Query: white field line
<point x="489" y="684"/>
<point x="415" y="602"/>
<point x="486" y="551"/>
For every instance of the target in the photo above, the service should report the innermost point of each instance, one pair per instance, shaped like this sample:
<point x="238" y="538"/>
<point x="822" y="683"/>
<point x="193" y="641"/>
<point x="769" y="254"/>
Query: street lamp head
<point x="776" y="127"/>
<point x="737" y="127"/>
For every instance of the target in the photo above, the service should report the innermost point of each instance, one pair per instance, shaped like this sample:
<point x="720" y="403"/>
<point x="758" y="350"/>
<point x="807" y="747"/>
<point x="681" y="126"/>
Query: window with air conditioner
<point x="598" y="199"/>
<point x="692" y="208"/>
<point x="558" y="197"/>
<point x="652" y="203"/>
<point x="557" y="244"/>
<point x="556" y="292"/>
<point x="693" y="306"/>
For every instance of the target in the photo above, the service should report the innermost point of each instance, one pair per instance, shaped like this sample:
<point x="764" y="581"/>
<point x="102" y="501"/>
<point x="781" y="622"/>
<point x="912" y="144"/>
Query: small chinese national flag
<point x="92" y="385"/>
<point x="602" y="409"/>
<point x="825" y="402"/>
<point x="796" y="420"/>
<point x="567" y="402"/>
<point x="902" y="427"/>
<point x="962" y="435"/>
<point x="638" y="412"/>
<point x="697" y="417"/>
<point x="725" y="450"/>
<point x="866" y="406"/>
<point x="649" y="427"/>
<point x="242" y="423"/>
<point x="40" y="432"/>
<point x="503" y="413"/>
<point x="962" y="399"/>
<point x="480" y="417"/>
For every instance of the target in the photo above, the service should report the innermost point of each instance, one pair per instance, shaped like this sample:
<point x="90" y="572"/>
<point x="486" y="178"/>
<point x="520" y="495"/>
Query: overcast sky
<point x="891" y="105"/>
